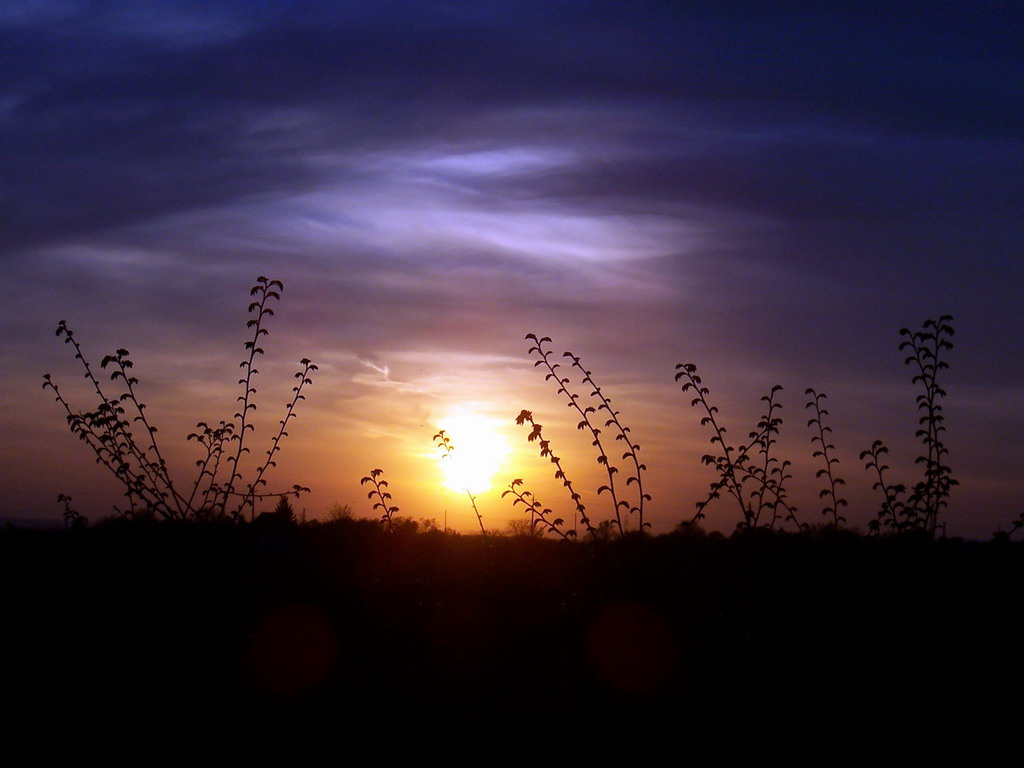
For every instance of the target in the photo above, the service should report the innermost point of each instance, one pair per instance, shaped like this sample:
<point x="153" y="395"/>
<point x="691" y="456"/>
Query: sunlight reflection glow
<point x="479" y="450"/>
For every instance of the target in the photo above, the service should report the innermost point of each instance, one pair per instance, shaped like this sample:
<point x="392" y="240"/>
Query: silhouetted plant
<point x="780" y="506"/>
<point x="110" y="430"/>
<point x="729" y="462"/>
<point x="825" y="452"/>
<point x="72" y="518"/>
<point x="339" y="512"/>
<point x="526" y="417"/>
<point x="930" y="495"/>
<point x="587" y="414"/>
<point x="632" y="452"/>
<point x="283" y="511"/>
<point x="522" y="527"/>
<point x="447" y="447"/>
<point x="384" y="505"/>
<point x="1016" y="525"/>
<point x="771" y="476"/>
<point x="214" y="441"/>
<point x="428" y="525"/>
<point x="927" y="347"/>
<point x="265" y="290"/>
<point x="893" y="513"/>
<point x="606" y="531"/>
<point x="540" y="516"/>
<point x="734" y="465"/>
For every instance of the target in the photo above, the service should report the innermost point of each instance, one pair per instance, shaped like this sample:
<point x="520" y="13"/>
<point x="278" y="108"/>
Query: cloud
<point x="106" y="128"/>
<point x="384" y="380"/>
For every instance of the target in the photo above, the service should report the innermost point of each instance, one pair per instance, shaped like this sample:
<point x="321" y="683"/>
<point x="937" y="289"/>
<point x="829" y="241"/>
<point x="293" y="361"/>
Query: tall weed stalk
<point x="826" y="452"/>
<point x="893" y="513"/>
<point x="589" y="421"/>
<point x="536" y="433"/>
<point x="927" y="348"/>
<point x="387" y="509"/>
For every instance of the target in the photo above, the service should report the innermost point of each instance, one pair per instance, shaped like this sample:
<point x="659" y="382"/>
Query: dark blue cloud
<point x="112" y="115"/>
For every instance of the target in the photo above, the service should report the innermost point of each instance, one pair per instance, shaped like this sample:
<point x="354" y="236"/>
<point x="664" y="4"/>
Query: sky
<point x="768" y="191"/>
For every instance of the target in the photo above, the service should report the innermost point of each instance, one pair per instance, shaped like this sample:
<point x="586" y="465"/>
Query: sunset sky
<point x="770" y="191"/>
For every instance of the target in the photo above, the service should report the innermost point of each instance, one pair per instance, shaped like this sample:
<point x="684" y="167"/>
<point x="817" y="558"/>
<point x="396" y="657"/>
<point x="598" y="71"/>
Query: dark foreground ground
<point x="132" y="637"/>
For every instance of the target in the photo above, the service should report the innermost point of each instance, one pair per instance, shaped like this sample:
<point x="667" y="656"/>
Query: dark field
<point x="136" y="635"/>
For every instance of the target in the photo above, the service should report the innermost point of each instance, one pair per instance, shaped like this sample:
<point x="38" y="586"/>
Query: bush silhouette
<point x="124" y="441"/>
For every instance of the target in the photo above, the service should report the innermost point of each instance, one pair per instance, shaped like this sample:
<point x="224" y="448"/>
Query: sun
<point x="479" y="449"/>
